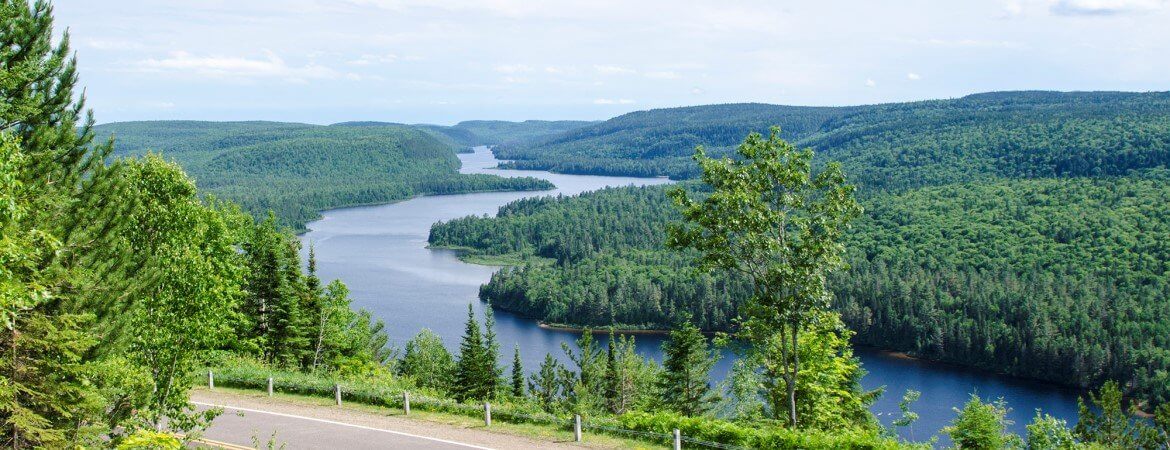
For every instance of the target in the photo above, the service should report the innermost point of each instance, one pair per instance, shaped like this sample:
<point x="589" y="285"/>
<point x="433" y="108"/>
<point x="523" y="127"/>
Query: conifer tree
<point x="587" y="389"/>
<point x="686" y="369"/>
<point x="491" y="352"/>
<point x="546" y="385"/>
<point x="517" y="374"/>
<point x="472" y="376"/>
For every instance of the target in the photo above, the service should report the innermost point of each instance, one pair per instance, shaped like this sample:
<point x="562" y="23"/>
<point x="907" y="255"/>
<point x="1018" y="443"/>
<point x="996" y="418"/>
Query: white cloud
<point x="697" y="91"/>
<point x="1013" y="8"/>
<point x="870" y="83"/>
<point x="360" y="77"/>
<point x="1104" y="7"/>
<point x="512" y="68"/>
<point x="609" y="101"/>
<point x="113" y="44"/>
<point x="234" y="67"/>
<point x="369" y="60"/>
<point x="963" y="43"/>
<point x="913" y="76"/>
<point x="613" y="70"/>
<point x="664" y="75"/>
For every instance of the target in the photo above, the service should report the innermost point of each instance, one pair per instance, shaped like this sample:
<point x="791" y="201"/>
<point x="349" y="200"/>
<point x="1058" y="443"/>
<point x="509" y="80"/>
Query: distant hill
<point x="492" y="132"/>
<point x="992" y="135"/>
<point x="297" y="170"/>
<point x="464" y="135"/>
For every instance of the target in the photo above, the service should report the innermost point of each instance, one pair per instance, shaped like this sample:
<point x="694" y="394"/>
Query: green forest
<point x="298" y="170"/>
<point x="470" y="133"/>
<point x="1026" y="236"/>
<point x="135" y="258"/>
<point x="898" y="145"/>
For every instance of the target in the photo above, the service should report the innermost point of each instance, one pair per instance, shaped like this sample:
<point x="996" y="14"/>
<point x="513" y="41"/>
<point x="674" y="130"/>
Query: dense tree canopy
<point x="899" y="145"/>
<point x="1063" y="280"/>
<point x="297" y="170"/>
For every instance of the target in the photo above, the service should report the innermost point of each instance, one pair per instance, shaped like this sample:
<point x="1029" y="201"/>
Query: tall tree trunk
<point x="792" y="378"/>
<point x="320" y="339"/>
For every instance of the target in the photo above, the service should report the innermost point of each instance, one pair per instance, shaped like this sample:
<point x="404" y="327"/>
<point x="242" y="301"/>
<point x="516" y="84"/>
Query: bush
<point x="774" y="436"/>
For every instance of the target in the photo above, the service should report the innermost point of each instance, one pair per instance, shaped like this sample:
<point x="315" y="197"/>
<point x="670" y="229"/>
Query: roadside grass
<point x="529" y="430"/>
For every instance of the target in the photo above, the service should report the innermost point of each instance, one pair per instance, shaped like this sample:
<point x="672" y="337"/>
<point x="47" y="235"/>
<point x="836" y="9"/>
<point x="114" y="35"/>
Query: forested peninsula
<point x="1019" y="232"/>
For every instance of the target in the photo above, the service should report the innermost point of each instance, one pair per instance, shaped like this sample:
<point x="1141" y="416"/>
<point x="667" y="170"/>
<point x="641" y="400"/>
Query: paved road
<point x="238" y="426"/>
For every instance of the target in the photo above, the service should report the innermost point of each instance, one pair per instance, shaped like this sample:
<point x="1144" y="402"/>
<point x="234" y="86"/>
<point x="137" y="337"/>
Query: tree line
<point x="1028" y="134"/>
<point x="1055" y="279"/>
<point x="297" y="170"/>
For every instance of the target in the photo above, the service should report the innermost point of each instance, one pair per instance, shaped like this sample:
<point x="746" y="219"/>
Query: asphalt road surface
<point x="246" y="427"/>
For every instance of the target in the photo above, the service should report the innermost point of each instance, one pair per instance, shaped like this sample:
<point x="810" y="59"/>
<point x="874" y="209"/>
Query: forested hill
<point x="660" y="141"/>
<point x="297" y="170"/>
<point x="898" y="145"/>
<point x="492" y="132"/>
<point x="1020" y="232"/>
<point x="1062" y="280"/>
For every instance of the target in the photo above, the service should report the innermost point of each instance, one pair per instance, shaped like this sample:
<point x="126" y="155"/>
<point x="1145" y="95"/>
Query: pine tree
<point x="546" y="384"/>
<point x="492" y="352"/>
<point x="517" y="374"/>
<point x="586" y="390"/>
<point x="471" y="374"/>
<point x="612" y="377"/>
<point x="687" y="365"/>
<point x="48" y="234"/>
<point x="278" y="300"/>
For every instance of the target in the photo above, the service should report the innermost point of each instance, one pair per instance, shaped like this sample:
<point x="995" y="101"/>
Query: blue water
<point x="381" y="253"/>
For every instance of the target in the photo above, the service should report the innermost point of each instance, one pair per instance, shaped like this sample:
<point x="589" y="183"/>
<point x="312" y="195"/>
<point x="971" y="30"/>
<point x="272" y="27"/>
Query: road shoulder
<point x="454" y="430"/>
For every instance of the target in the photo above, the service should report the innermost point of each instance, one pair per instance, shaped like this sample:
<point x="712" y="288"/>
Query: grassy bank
<point x="382" y="393"/>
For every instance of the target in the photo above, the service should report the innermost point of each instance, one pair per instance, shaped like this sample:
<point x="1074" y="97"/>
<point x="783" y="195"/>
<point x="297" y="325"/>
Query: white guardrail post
<point x="269" y="386"/>
<point x="337" y="393"/>
<point x="487" y="414"/>
<point x="677" y="439"/>
<point x="577" y="427"/>
<point x="210" y="380"/>
<point x="406" y="403"/>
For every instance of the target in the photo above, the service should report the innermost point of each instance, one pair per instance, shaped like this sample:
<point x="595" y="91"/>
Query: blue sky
<point x="416" y="61"/>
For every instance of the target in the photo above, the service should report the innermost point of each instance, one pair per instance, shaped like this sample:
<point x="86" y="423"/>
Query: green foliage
<point x="687" y="362"/>
<point x="297" y="170"/>
<point x="890" y="146"/>
<point x="762" y="437"/>
<point x="427" y="361"/>
<point x="828" y="388"/>
<point x="585" y="388"/>
<point x="476" y="374"/>
<point x="1049" y="433"/>
<point x="1106" y="421"/>
<point x="981" y="426"/>
<point x="547" y="385"/>
<point x="197" y="283"/>
<point x="772" y="221"/>
<point x="1012" y="275"/>
<point x="471" y="133"/>
<point x="659" y="142"/>
<point x="631" y="380"/>
<point x="150" y="440"/>
<point x="908" y="416"/>
<point x="517" y="374"/>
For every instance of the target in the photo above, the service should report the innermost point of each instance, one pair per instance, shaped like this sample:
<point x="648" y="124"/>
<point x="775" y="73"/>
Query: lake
<point x="381" y="253"/>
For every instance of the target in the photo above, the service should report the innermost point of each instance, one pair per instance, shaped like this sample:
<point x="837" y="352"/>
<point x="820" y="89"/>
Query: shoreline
<point x="581" y="330"/>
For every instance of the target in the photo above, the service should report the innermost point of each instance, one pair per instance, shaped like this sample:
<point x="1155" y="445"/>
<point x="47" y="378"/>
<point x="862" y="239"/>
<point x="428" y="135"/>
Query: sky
<point x="420" y="61"/>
